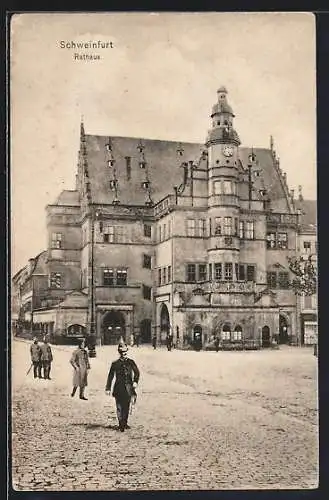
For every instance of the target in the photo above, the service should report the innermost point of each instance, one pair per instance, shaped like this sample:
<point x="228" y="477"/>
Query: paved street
<point x="203" y="420"/>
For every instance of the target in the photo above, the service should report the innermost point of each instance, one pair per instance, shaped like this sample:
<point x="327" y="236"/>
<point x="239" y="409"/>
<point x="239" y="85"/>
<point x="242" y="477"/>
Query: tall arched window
<point x="237" y="334"/>
<point x="226" y="332"/>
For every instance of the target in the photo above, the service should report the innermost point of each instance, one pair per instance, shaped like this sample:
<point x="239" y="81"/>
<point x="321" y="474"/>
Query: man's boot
<point x="82" y="395"/>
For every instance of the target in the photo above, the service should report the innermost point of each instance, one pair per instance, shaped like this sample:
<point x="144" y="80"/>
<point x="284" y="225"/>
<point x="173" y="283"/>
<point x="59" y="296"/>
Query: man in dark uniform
<point x="126" y="379"/>
<point x="35" y="351"/>
<point x="46" y="358"/>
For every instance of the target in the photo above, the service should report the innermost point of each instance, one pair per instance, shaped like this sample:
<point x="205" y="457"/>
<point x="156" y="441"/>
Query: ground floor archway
<point x="197" y="337"/>
<point x="164" y="320"/>
<point x="113" y="327"/>
<point x="283" y="330"/>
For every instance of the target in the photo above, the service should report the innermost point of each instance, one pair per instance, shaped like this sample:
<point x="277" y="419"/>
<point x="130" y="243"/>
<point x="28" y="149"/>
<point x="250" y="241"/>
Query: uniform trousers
<point x="37" y="369"/>
<point x="123" y="404"/>
<point x="46" y="368"/>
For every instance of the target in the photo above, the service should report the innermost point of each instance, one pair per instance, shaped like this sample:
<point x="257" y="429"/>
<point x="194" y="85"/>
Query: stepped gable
<point x="273" y="180"/>
<point x="308" y="214"/>
<point x="163" y="167"/>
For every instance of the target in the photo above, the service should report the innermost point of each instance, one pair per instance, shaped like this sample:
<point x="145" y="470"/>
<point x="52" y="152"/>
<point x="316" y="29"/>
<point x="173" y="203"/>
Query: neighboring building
<point x="307" y="247"/>
<point x="160" y="236"/>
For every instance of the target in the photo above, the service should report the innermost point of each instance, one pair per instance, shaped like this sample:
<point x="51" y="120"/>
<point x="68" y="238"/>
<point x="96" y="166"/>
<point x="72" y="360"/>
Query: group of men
<point x="41" y="358"/>
<point x="123" y="371"/>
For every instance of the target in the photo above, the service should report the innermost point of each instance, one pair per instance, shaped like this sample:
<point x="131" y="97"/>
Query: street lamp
<point x="92" y="330"/>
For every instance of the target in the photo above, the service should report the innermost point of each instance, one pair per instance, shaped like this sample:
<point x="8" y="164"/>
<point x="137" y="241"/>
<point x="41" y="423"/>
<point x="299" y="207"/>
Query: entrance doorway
<point x="113" y="327"/>
<point x="197" y="337"/>
<point x="283" y="330"/>
<point x="266" y="336"/>
<point x="145" y="331"/>
<point x="164" y="321"/>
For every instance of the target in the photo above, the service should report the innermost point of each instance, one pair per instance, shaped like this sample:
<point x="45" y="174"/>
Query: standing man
<point x="126" y="379"/>
<point x="217" y="343"/>
<point x="169" y="342"/>
<point x="35" y="351"/>
<point x="154" y="341"/>
<point x="80" y="363"/>
<point x="46" y="358"/>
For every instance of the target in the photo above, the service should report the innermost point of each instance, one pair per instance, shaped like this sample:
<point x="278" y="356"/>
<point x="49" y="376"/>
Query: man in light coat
<point x="80" y="363"/>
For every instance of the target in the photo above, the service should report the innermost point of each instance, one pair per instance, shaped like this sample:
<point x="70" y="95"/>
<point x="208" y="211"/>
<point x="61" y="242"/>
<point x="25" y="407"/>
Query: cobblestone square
<point x="203" y="420"/>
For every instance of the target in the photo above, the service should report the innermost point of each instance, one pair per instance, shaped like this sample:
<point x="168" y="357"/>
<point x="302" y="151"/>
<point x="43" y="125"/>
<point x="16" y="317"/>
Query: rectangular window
<point x="147" y="230"/>
<point x="147" y="261"/>
<point x="122" y="277"/>
<point x="128" y="167"/>
<point x="164" y="235"/>
<point x="249" y="231"/>
<point x="237" y="335"/>
<point x="190" y="227"/>
<point x="283" y="280"/>
<point x="226" y="335"/>
<point x="201" y="227"/>
<point x="228" y="226"/>
<point x="146" y="292"/>
<point x="271" y="279"/>
<point x="218" y="271"/>
<point x="169" y="228"/>
<point x="202" y="272"/>
<point x="218" y="226"/>
<point x="271" y="240"/>
<point x="108" y="277"/>
<point x="308" y="302"/>
<point x="164" y="275"/>
<point x="210" y="271"/>
<point x="282" y="240"/>
<point x="159" y="277"/>
<point x="108" y="235"/>
<point x="118" y="234"/>
<point x="250" y="273"/>
<point x="169" y="274"/>
<point x="236" y="226"/>
<point x="227" y="185"/>
<point x="307" y="246"/>
<point x="237" y="272"/>
<point x="228" y="271"/>
<point x="159" y="233"/>
<point x="241" y="229"/>
<point x="191" y="272"/>
<point x="55" y="280"/>
<point x="56" y="240"/>
<point x="217" y="187"/>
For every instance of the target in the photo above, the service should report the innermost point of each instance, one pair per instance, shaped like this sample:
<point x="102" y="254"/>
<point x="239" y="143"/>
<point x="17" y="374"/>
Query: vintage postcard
<point x="164" y="251"/>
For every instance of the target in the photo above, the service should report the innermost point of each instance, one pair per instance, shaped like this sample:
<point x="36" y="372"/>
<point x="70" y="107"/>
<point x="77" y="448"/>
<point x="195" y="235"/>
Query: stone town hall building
<point x="160" y="236"/>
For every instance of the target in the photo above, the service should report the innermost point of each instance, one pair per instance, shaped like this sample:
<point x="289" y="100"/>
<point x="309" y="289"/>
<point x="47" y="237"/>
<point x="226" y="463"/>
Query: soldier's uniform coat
<point x="126" y="373"/>
<point x="46" y="359"/>
<point x="80" y="363"/>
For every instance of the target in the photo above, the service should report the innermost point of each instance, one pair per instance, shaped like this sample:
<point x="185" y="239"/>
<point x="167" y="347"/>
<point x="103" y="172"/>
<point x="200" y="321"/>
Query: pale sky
<point x="158" y="82"/>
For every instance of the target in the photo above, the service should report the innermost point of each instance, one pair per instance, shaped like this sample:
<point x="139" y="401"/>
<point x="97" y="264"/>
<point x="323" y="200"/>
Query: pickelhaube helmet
<point x="122" y="347"/>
